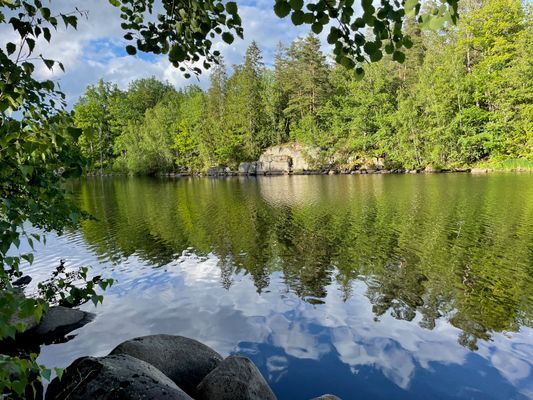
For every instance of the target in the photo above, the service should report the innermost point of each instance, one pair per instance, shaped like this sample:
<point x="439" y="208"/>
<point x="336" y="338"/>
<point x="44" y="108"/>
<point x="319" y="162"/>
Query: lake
<point x="367" y="287"/>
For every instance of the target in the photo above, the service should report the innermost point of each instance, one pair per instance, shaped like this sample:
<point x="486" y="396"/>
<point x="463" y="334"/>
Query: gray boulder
<point x="54" y="327"/>
<point x="327" y="397"/>
<point x="236" y="378"/>
<point x="23" y="280"/>
<point x="216" y="171"/>
<point x="59" y="321"/>
<point x="274" y="164"/>
<point x="243" y="168"/>
<point x="300" y="158"/>
<point x="248" y="168"/>
<point x="185" y="361"/>
<point x="112" y="378"/>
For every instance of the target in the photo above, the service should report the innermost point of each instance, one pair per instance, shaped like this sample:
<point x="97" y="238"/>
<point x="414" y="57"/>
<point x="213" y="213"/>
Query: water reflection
<point x="368" y="286"/>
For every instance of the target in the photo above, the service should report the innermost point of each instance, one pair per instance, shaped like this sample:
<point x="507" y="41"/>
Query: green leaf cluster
<point x="185" y="31"/>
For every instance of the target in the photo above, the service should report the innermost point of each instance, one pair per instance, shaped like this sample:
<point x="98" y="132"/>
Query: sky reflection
<point x="368" y="287"/>
<point x="301" y="348"/>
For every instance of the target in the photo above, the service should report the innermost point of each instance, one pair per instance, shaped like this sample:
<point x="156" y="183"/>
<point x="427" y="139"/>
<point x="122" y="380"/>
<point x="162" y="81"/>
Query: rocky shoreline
<point x="295" y="159"/>
<point x="163" y="367"/>
<point x="151" y="367"/>
<point x="227" y="172"/>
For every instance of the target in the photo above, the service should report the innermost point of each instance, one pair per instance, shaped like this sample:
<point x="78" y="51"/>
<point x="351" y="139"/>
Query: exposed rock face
<point x="274" y="165"/>
<point x="185" y="361"/>
<point x="372" y="164"/>
<point x="248" y="168"/>
<point x="287" y="158"/>
<point x="327" y="397"/>
<point x="236" y="378"/>
<point x="480" y="170"/>
<point x="113" y="377"/>
<point x="431" y="169"/>
<point x="216" y="171"/>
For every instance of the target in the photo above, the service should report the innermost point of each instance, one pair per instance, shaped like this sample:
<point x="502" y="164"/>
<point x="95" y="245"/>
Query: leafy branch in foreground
<point x="37" y="155"/>
<point x="186" y="30"/>
<point x="20" y="373"/>
<point x="61" y="287"/>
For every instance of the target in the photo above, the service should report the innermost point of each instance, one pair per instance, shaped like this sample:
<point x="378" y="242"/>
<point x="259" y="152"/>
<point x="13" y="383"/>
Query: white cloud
<point x="185" y="297"/>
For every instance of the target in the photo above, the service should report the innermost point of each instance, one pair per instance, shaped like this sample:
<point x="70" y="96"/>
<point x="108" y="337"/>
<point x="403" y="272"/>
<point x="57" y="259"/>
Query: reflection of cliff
<point x="448" y="246"/>
<point x="288" y="191"/>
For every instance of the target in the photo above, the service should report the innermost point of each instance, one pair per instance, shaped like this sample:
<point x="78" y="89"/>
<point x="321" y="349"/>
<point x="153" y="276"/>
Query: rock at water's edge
<point x="23" y="280"/>
<point x="185" y="361"/>
<point x="480" y="170"/>
<point x="327" y="397"/>
<point x="236" y="378"/>
<point x="113" y="377"/>
<point x="216" y="171"/>
<point x="59" y="321"/>
<point x="248" y="168"/>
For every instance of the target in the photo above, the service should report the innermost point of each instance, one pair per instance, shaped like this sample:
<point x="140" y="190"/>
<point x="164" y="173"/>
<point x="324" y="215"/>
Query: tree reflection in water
<point x="456" y="247"/>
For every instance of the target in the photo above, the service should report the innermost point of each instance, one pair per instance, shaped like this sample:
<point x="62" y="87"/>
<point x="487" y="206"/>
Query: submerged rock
<point x="55" y="324"/>
<point x="113" y="377"/>
<point x="185" y="361"/>
<point x="236" y="378"/>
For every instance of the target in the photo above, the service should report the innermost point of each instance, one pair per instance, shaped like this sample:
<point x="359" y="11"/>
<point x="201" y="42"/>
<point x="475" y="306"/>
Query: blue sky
<point x="96" y="49"/>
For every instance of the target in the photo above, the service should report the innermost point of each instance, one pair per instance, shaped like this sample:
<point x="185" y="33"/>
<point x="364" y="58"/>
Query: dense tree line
<point x="462" y="96"/>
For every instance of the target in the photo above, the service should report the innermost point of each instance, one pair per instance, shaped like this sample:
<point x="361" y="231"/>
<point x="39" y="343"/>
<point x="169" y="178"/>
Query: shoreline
<point x="226" y="174"/>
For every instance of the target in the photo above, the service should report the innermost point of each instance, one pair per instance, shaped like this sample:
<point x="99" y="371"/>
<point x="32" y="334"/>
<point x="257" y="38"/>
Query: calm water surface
<point x="368" y="287"/>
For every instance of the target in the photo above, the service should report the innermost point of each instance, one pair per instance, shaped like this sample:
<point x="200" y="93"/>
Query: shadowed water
<point x="368" y="287"/>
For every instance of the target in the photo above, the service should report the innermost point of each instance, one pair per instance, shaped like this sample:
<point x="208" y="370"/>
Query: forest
<point x="462" y="97"/>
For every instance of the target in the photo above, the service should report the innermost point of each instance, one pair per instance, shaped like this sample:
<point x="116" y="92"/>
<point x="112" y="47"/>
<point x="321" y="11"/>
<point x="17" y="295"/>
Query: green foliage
<point x="460" y="97"/>
<point x="38" y="153"/>
<point x="18" y="376"/>
<point x="304" y="76"/>
<point x="63" y="287"/>
<point x="467" y="100"/>
<point x="91" y="114"/>
<point x="508" y="165"/>
<point x="184" y="31"/>
<point x="349" y="28"/>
